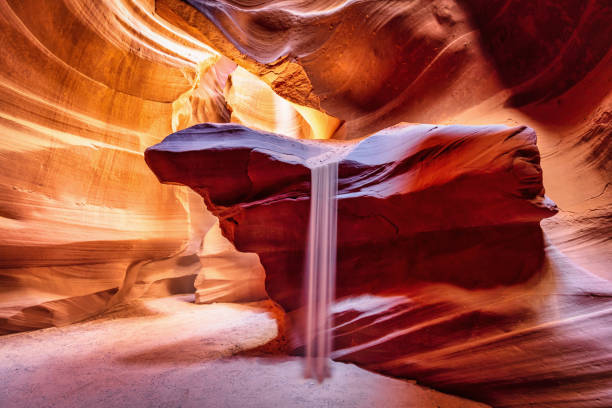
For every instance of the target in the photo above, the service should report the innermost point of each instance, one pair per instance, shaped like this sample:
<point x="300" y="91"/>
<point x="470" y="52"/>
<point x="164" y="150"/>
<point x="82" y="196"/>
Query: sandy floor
<point x="171" y="352"/>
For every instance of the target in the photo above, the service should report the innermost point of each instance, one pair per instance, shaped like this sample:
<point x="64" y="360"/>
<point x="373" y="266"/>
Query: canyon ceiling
<point x="87" y="86"/>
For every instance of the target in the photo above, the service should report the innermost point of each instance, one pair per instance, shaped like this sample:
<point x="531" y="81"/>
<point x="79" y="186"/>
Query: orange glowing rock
<point x="86" y="86"/>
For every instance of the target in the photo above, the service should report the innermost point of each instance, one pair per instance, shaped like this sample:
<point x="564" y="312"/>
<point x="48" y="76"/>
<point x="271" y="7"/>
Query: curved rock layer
<point x="84" y="88"/>
<point x="425" y="61"/>
<point x="443" y="272"/>
<point x="374" y="64"/>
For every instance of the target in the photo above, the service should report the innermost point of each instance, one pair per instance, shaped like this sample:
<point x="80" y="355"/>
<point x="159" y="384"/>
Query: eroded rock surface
<point x="84" y="88"/>
<point x="375" y="63"/>
<point x="430" y="203"/>
<point x="443" y="272"/>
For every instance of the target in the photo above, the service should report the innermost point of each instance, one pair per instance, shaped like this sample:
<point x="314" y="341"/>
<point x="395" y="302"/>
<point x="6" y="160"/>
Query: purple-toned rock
<point x="416" y="203"/>
<point x="443" y="272"/>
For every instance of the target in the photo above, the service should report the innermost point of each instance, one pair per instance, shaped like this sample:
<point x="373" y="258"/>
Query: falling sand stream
<point x="320" y="271"/>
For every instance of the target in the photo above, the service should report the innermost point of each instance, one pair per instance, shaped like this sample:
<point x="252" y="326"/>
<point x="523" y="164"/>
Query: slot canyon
<point x="291" y="203"/>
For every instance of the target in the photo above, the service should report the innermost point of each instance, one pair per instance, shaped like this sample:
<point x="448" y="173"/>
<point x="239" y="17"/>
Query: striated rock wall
<point x="84" y="88"/>
<point x="374" y="64"/>
<point x="378" y="63"/>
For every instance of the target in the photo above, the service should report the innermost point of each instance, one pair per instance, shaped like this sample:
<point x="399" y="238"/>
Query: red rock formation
<point x="441" y="271"/>
<point x="78" y="105"/>
<point x="415" y="196"/>
<point x="377" y="63"/>
<point x="86" y="86"/>
<point x="541" y="343"/>
<point x="547" y="65"/>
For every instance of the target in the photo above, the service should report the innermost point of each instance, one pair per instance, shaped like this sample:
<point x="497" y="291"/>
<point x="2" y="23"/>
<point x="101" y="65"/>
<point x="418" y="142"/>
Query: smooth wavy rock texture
<point x="443" y="272"/>
<point x="424" y="61"/>
<point x="372" y="64"/>
<point x="84" y="88"/>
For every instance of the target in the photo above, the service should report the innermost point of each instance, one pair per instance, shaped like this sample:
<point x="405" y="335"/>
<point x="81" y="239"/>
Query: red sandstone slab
<point x="451" y="204"/>
<point x="443" y="273"/>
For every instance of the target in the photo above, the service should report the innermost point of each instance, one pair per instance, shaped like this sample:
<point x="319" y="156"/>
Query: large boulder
<point x="444" y="275"/>
<point x="416" y="203"/>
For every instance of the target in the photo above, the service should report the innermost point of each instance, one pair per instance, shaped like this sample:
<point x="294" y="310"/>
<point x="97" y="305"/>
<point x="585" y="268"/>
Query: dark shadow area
<point x="543" y="48"/>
